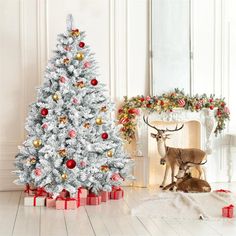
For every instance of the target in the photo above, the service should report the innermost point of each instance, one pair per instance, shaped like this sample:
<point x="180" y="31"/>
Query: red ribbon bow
<point x="222" y="191"/>
<point x="41" y="191"/>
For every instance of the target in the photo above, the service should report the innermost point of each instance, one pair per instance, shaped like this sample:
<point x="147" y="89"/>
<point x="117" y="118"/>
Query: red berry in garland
<point x="71" y="164"/>
<point x="104" y="136"/>
<point x="211" y="107"/>
<point x="81" y="44"/>
<point x="94" y="82"/>
<point x="44" y="111"/>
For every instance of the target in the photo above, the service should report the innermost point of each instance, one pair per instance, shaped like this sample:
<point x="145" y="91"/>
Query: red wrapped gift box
<point x="66" y="203"/>
<point x="30" y="191"/>
<point x="82" y="201"/>
<point x="228" y="211"/>
<point x="117" y="193"/>
<point x="41" y="192"/>
<point x="104" y="196"/>
<point x="93" y="199"/>
<point x="50" y="202"/>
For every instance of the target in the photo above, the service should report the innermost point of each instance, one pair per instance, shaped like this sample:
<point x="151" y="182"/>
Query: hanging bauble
<point x="86" y="125"/>
<point x="63" y="119"/>
<point x="66" y="61"/>
<point x="87" y="64"/>
<point x="81" y="44"/>
<point x="115" y="177"/>
<point x="62" y="152"/>
<point x="71" y="164"/>
<point x="104" y="168"/>
<point x="64" y="176"/>
<point x="44" y="111"/>
<point x="110" y="153"/>
<point x="94" y="82"/>
<point x="62" y="79"/>
<point x="103" y="109"/>
<point x="75" y="32"/>
<point x="55" y="97"/>
<point x="37" y="143"/>
<point x="181" y="102"/>
<point x="37" y="172"/>
<point x="75" y="100"/>
<point x="104" y="135"/>
<point x="72" y="133"/>
<point x="79" y="84"/>
<point x="80" y="56"/>
<point x="99" y="121"/>
<point x="45" y="126"/>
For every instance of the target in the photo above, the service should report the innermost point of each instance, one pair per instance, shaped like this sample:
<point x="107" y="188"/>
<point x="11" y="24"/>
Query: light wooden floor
<point x="111" y="218"/>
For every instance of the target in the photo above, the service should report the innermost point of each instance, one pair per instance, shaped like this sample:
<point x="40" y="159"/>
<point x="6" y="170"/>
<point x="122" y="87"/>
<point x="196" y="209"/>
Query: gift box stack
<point x="39" y="197"/>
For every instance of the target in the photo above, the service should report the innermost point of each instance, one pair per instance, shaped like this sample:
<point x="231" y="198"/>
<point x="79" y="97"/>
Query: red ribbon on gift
<point x="91" y="195"/>
<point x="222" y="191"/>
<point x="78" y="196"/>
<point x="27" y="189"/>
<point x="41" y="191"/>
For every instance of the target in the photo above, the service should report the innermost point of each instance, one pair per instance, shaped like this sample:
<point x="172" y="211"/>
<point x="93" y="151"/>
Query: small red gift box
<point x="93" y="199"/>
<point x="64" y="193"/>
<point x="41" y="192"/>
<point x="34" y="201"/>
<point x="117" y="193"/>
<point x="104" y="196"/>
<point x="50" y="202"/>
<point x="228" y="211"/>
<point x="66" y="203"/>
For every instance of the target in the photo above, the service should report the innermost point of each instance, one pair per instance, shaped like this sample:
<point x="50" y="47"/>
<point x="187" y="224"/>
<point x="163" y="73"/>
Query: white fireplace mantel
<point x="205" y="118"/>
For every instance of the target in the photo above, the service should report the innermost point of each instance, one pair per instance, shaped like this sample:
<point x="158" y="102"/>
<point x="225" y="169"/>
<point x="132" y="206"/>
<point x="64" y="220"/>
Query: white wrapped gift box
<point x="34" y="201"/>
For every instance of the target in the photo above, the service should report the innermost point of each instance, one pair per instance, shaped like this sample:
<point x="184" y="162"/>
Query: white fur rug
<point x="171" y="205"/>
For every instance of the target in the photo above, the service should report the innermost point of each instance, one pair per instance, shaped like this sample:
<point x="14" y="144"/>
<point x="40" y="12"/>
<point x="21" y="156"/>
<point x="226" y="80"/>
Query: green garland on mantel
<point x="167" y="102"/>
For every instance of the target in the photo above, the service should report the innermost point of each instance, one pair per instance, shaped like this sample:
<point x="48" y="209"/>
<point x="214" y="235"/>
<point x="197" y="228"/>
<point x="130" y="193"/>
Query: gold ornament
<point x="37" y="143"/>
<point x="86" y="125"/>
<point x="55" y="97"/>
<point x="64" y="176"/>
<point x="99" y="121"/>
<point x="79" y="84"/>
<point x="110" y="153"/>
<point x="63" y="119"/>
<point x="75" y="33"/>
<point x="103" y="109"/>
<point x="104" y="168"/>
<point x="32" y="161"/>
<point x="62" y="152"/>
<point x="80" y="56"/>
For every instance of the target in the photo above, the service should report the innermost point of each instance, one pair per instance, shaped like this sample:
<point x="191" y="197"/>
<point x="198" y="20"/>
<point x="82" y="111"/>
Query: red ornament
<point x="81" y="44"/>
<point x="45" y="126"/>
<point x="94" y="82"/>
<point x="72" y="133"/>
<point x="222" y="104"/>
<point x="211" y="107"/>
<point x="120" y="110"/>
<point x="133" y="111"/>
<point x="124" y="120"/>
<point x="87" y="64"/>
<point x="62" y="79"/>
<point x="44" y="111"/>
<point x="75" y="100"/>
<point x="198" y="106"/>
<point x="71" y="164"/>
<point x="104" y="136"/>
<point x="162" y="103"/>
<point x="148" y="98"/>
<point x="181" y="102"/>
<point x="142" y="99"/>
<point x="219" y="113"/>
<point x="37" y="172"/>
<point x="211" y="100"/>
<point x="115" y="177"/>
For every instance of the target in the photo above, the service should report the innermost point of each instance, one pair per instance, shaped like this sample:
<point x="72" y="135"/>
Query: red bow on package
<point x="28" y="189"/>
<point x="228" y="211"/>
<point x="222" y="191"/>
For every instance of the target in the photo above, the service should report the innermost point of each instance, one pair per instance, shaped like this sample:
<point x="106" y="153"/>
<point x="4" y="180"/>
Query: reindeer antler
<point x="176" y="128"/>
<point x="154" y="127"/>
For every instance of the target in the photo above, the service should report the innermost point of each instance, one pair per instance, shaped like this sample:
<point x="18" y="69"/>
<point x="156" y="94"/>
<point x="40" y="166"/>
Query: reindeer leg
<point x="172" y="176"/>
<point x="199" y="169"/>
<point x="169" y="186"/>
<point x="165" y="176"/>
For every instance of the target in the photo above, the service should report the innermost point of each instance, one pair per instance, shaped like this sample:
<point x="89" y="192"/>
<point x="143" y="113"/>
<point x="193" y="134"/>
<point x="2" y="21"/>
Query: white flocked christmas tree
<point x="72" y="140"/>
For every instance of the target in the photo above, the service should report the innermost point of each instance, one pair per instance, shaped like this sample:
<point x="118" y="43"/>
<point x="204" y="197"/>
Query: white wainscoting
<point x="117" y="31"/>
